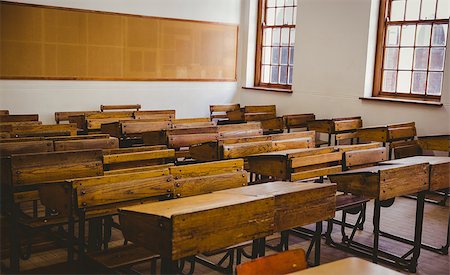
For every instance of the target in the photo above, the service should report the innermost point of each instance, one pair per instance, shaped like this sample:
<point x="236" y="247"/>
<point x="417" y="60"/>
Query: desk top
<point x="349" y="266"/>
<point x="383" y="166"/>
<point x="432" y="160"/>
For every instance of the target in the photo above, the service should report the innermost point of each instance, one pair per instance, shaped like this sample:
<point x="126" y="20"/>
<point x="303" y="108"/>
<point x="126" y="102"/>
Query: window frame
<point x="380" y="51"/>
<point x="259" y="46"/>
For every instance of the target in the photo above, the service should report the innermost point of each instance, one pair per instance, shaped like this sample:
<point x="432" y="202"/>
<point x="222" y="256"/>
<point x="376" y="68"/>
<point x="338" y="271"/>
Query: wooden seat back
<point x="218" y="112"/>
<point x="136" y="107"/>
<point x="132" y="128"/>
<point x="185" y="137"/>
<point x="64" y="116"/>
<point x="402" y="131"/>
<point x="44" y="130"/>
<point x="297" y="121"/>
<point x="19" y="118"/>
<point x="259" y="113"/>
<point x="363" y="158"/>
<point x="280" y="263"/>
<point x="124" y="158"/>
<point x="195" y="179"/>
<point x="4" y="112"/>
<point x="85" y="144"/>
<point x="435" y="143"/>
<point x="248" y="129"/>
<point x="152" y="114"/>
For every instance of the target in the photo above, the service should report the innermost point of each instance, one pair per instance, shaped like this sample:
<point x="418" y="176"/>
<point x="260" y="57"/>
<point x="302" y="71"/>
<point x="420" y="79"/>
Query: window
<point x="412" y="40"/>
<point x="275" y="43"/>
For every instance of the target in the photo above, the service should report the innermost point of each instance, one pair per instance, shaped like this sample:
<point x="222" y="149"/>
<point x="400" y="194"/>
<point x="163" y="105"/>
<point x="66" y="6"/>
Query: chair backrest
<point x="404" y="149"/>
<point x="435" y="143"/>
<point x="152" y="114"/>
<point x="124" y="158"/>
<point x="44" y="130"/>
<point x="4" y="112"/>
<point x="402" y="131"/>
<point x="297" y="120"/>
<point x="259" y="113"/>
<point x="240" y="130"/>
<point x="85" y="144"/>
<point x="136" y="107"/>
<point x="185" y="137"/>
<point x="18" y="118"/>
<point x="64" y="116"/>
<point x="280" y="263"/>
<point x="363" y="158"/>
<point x="219" y="111"/>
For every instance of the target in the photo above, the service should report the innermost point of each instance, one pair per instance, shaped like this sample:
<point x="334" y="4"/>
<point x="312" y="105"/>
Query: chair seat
<point x="346" y="201"/>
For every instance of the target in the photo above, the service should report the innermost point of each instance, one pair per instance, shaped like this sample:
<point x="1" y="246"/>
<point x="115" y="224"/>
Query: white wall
<point x="334" y="48"/>
<point x="190" y="99"/>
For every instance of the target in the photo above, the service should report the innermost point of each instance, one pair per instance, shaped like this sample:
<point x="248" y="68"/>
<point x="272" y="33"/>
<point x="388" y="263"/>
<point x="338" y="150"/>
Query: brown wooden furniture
<point x="164" y="227"/>
<point x="4" y="112"/>
<point x="435" y="143"/>
<point x="219" y="112"/>
<point x="342" y="128"/>
<point x="279" y="263"/>
<point x="248" y="129"/>
<point x="266" y="114"/>
<point x="297" y="121"/>
<point x="136" y="107"/>
<point x="43" y="130"/>
<point x="348" y="266"/>
<point x="124" y="158"/>
<point x="18" y="118"/>
<point x="245" y="146"/>
<point x="64" y="116"/>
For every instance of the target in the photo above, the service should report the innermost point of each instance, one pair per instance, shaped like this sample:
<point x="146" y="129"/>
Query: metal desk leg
<point x="317" y="240"/>
<point x="418" y="232"/>
<point x="376" y="229"/>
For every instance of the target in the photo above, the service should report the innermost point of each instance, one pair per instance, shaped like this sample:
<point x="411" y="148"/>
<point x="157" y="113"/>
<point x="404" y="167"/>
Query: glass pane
<point x="284" y="56"/>
<point x="274" y="74"/>
<point x="267" y="37"/>
<point x="397" y="10"/>
<point x="288" y="16"/>
<point x="423" y="35"/>
<point x="270" y="17"/>
<point x="295" y="16"/>
<point x="404" y="82"/>
<point x="405" y="59"/>
<point x="408" y="32"/>
<point x="292" y="38"/>
<point x="391" y="58"/>
<point x="428" y="9"/>
<point x="412" y="10"/>
<point x="434" y="85"/>
<point x="389" y="80"/>
<point x="439" y="35"/>
<point x="280" y="3"/>
<point x="291" y="71"/>
<point x="265" y="74"/>
<point x="275" y="56"/>
<point x="279" y="17"/>
<point x="285" y="36"/>
<point x="443" y="9"/>
<point x="392" y="37"/>
<point x="266" y="55"/>
<point x="437" y="58"/>
<point x="283" y="74"/>
<point x="291" y="56"/>
<point x="289" y="2"/>
<point x="421" y="59"/>
<point x="418" y="82"/>
<point x="275" y="37"/>
<point x="270" y="3"/>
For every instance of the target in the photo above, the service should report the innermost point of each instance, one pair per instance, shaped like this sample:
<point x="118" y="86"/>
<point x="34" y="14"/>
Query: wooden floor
<point x="398" y="219"/>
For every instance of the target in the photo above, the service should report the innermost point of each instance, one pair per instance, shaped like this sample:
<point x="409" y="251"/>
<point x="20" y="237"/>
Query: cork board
<point x="41" y="42"/>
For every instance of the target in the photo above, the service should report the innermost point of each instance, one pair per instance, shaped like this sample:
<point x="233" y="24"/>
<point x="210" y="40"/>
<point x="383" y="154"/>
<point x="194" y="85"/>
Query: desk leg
<point x="376" y="229"/>
<point x="418" y="232"/>
<point x="262" y="247"/>
<point x="317" y="240"/>
<point x="168" y="266"/>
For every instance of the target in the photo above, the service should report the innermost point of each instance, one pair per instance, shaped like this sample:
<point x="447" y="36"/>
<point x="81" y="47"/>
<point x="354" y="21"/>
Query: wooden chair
<point x="126" y="158"/>
<point x="281" y="263"/>
<point x="297" y="121"/>
<point x="64" y="116"/>
<point x="341" y="128"/>
<point x="151" y="114"/>
<point x="19" y="118"/>
<point x="218" y="112"/>
<point x="136" y="107"/>
<point x="43" y="130"/>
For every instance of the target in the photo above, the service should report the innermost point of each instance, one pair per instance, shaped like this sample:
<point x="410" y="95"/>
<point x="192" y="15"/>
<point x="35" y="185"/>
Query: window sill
<point x="278" y="90"/>
<point x="401" y="100"/>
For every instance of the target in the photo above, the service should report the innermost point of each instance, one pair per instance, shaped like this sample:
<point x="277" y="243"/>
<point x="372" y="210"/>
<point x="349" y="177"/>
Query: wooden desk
<point x="435" y="143"/>
<point x="348" y="266"/>
<point x="176" y="229"/>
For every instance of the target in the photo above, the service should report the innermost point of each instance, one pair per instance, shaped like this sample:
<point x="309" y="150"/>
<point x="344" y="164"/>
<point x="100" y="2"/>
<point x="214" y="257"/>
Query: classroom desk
<point x="348" y="266"/>
<point x="383" y="183"/>
<point x="176" y="229"/>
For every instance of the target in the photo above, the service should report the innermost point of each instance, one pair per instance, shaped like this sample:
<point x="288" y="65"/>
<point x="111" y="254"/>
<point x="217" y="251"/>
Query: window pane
<point x="389" y="81"/>
<point x="392" y="37"/>
<point x="274" y="74"/>
<point x="284" y="36"/>
<point x="270" y="3"/>
<point x="266" y="55"/>
<point x="270" y="17"/>
<point x="434" y="83"/>
<point x="443" y="9"/>
<point x="292" y="38"/>
<point x="404" y="82"/>
<point x="279" y="17"/>
<point x="391" y="58"/>
<point x="408" y="32"/>
<point x="428" y="9"/>
<point x="275" y="37"/>
<point x="289" y="2"/>
<point x="291" y="56"/>
<point x="267" y="37"/>
<point x="405" y="59"/>
<point x="288" y="16"/>
<point x="283" y="74"/>
<point x="284" y="56"/>
<point x="295" y="15"/>
<point x="265" y="74"/>
<point x="280" y="3"/>
<point x="439" y="35"/>
<point x="397" y="10"/>
<point x="437" y="58"/>
<point x="275" y="55"/>
<point x="418" y="82"/>
<point x="423" y="35"/>
<point x="291" y="71"/>
<point x="412" y="10"/>
<point x="421" y="59"/>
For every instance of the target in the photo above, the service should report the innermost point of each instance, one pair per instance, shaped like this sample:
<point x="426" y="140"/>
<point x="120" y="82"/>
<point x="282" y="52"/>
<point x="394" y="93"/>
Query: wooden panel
<point x="120" y="107"/>
<point x="345" y="148"/>
<point x="18" y="118"/>
<point x="406" y="180"/>
<point x="239" y="127"/>
<point x="183" y="232"/>
<point x="191" y="120"/>
<point x="84" y="144"/>
<point x="207" y="151"/>
<point x="347" y="124"/>
<point x="224" y="107"/>
<point x="243" y="133"/>
<point x="63" y="43"/>
<point x="344" y="136"/>
<point x="314" y="173"/>
<point x="177" y="141"/>
<point x="4" y="112"/>
<point x="298" y="120"/>
<point x="305" y="134"/>
<point x="236" y="115"/>
<point x="401" y="133"/>
<point x="193" y="125"/>
<point x="440" y="176"/>
<point x="138" y="156"/>
<point x="362" y="157"/>
<point x="30" y="130"/>
<point x="205" y="169"/>
<point x="320" y="126"/>
<point x="273" y="124"/>
<point x="64" y="116"/>
<point x="139" y="169"/>
<point x="379" y="134"/>
<point x="274" y="166"/>
<point x="295" y="143"/>
<point x="438" y="143"/>
<point x="261" y="109"/>
<point x="258" y="116"/>
<point x="359" y="183"/>
<point x="169" y="114"/>
<point x="96" y="123"/>
<point x="136" y="127"/>
<point x="245" y="139"/>
<point x="315" y="159"/>
<point x="246" y="149"/>
<point x="39" y="146"/>
<point x="134" y="149"/>
<point x="206" y="184"/>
